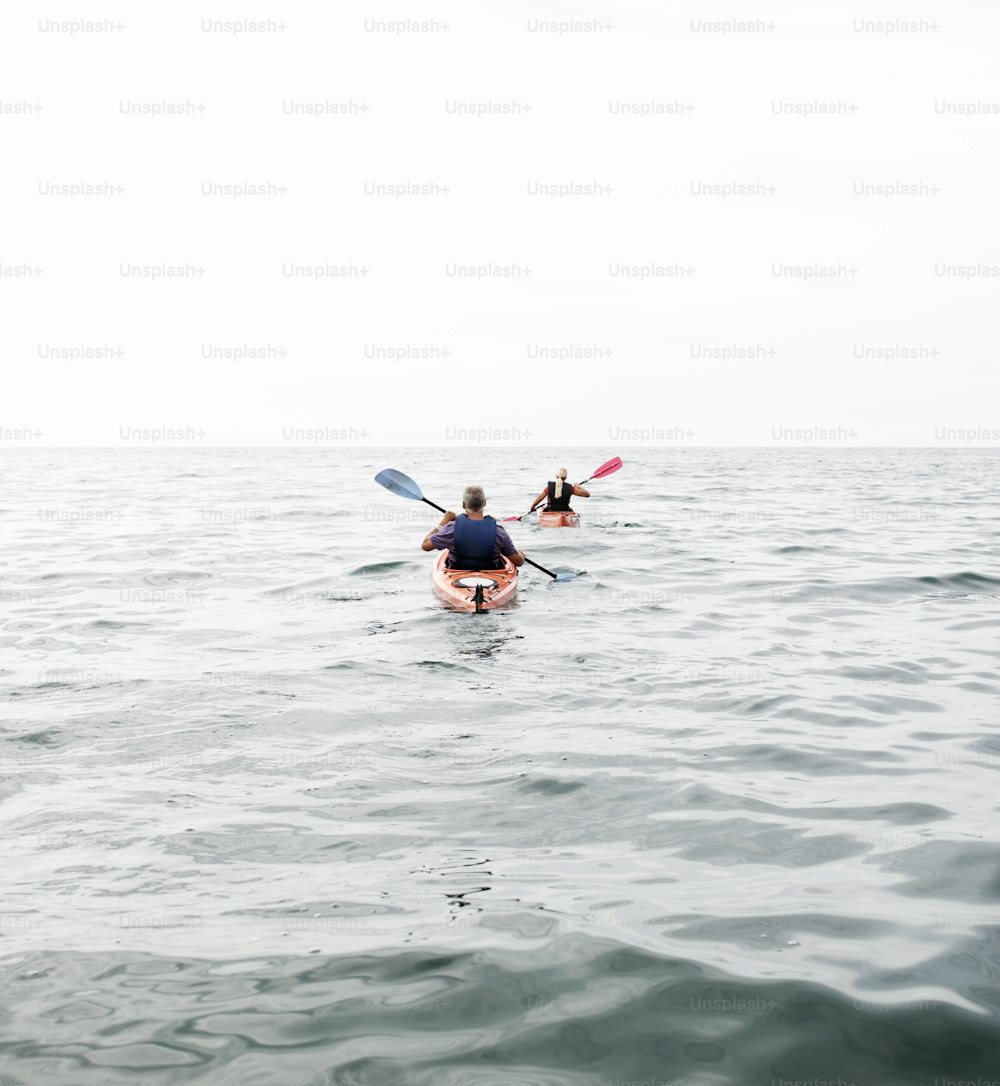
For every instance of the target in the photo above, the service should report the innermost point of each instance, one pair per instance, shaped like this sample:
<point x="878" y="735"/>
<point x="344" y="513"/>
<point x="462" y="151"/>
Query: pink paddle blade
<point x="608" y="469"/>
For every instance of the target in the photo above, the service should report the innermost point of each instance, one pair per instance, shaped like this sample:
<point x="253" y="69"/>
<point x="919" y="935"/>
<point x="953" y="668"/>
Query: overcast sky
<point x="620" y="223"/>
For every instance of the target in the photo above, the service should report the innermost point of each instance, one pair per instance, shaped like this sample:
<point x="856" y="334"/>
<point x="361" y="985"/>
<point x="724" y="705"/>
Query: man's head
<point x="473" y="499"/>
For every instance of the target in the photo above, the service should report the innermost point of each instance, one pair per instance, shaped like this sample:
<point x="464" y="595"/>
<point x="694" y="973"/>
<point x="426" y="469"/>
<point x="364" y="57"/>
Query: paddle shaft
<point x="542" y="568"/>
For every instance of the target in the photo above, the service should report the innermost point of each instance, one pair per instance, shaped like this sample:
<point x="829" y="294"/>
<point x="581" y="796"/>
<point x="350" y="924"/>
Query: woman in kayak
<point x="475" y="540"/>
<point x="558" y="493"/>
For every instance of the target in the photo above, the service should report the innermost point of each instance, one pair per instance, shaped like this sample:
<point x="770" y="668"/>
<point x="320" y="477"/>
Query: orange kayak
<point x="474" y="590"/>
<point x="551" y="519"/>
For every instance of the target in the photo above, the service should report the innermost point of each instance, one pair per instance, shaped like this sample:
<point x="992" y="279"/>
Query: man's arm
<point x="507" y="547"/>
<point x="443" y="543"/>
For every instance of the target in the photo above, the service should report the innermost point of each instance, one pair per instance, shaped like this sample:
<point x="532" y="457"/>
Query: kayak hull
<point x="457" y="587"/>
<point x="552" y="519"/>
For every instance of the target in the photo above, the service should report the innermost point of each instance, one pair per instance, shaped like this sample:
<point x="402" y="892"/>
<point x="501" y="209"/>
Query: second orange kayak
<point x="552" y="519"/>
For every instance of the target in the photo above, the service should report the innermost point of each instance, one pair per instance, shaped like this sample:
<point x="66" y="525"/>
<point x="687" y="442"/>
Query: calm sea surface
<point x="723" y="809"/>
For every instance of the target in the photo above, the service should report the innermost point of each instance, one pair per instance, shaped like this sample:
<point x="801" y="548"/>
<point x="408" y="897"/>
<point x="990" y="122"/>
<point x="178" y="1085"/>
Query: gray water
<point x="722" y="809"/>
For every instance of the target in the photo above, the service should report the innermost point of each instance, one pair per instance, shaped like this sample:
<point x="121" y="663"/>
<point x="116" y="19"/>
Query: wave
<point x="579" y="1008"/>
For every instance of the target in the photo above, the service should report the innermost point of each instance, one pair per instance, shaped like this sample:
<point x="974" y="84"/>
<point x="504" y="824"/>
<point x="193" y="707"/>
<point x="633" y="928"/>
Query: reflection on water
<point x="484" y="638"/>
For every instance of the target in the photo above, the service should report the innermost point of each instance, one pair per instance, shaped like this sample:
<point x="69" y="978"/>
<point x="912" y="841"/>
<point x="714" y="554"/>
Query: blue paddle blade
<point x="399" y="484"/>
<point x="560" y="577"/>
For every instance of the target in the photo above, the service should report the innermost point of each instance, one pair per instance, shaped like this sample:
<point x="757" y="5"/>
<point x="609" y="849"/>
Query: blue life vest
<point x="560" y="505"/>
<point x="475" y="542"/>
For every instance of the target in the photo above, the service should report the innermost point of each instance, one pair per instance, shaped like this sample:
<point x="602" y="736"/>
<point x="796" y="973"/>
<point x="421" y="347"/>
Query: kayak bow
<point x="552" y="519"/>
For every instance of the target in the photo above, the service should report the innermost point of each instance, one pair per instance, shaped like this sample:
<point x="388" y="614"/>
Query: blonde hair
<point x="560" y="475"/>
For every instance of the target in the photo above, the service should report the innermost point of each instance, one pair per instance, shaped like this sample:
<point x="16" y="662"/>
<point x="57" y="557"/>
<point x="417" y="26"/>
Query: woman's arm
<point x="541" y="498"/>
<point x="580" y="492"/>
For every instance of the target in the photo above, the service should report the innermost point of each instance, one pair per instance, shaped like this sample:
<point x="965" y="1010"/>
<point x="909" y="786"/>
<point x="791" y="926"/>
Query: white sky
<point x="646" y="385"/>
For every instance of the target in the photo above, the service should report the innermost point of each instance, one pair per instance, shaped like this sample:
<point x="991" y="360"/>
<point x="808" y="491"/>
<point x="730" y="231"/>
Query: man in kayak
<point x="558" y="493"/>
<point x="475" y="540"/>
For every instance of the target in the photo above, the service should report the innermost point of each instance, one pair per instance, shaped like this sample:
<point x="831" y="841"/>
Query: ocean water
<point x="723" y="809"/>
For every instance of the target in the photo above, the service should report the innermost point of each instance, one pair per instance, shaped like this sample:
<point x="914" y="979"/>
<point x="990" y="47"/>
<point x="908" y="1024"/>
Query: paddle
<point x="405" y="487"/>
<point x="608" y="468"/>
